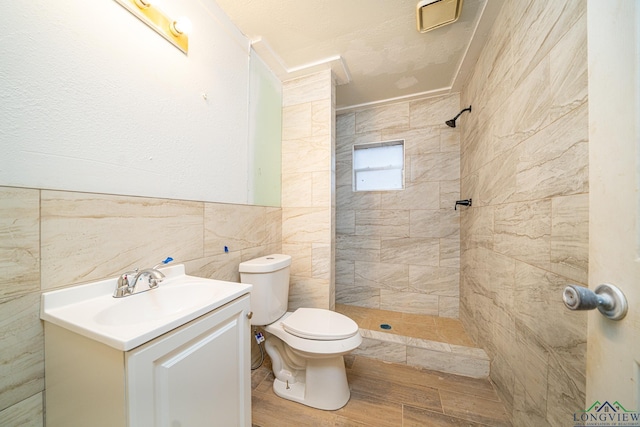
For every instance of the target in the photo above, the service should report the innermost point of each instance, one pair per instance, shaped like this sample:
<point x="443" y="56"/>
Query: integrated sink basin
<point x="125" y="323"/>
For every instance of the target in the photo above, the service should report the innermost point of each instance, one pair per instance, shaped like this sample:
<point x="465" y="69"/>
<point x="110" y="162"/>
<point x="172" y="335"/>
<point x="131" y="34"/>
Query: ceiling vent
<point x="432" y="14"/>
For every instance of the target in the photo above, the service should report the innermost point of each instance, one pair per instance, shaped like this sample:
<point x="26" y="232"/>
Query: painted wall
<point x="92" y="92"/>
<point x="525" y="164"/>
<point x="399" y="250"/>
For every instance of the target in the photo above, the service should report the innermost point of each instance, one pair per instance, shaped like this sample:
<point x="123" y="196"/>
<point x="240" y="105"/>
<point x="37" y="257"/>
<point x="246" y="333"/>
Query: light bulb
<point x="181" y="26"/>
<point x="142" y="4"/>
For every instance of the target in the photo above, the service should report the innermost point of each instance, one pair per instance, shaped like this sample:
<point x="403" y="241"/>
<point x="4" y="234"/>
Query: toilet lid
<point x="319" y="324"/>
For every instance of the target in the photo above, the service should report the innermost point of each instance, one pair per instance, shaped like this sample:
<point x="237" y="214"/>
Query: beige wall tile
<point x="449" y="193"/>
<point x="523" y="231"/>
<point x="429" y="111"/>
<point x="560" y="330"/>
<point x="321" y="261"/>
<point x="408" y="302"/>
<point x="525" y="118"/>
<point x="569" y="70"/>
<point x="449" y="307"/>
<point x="442" y="281"/>
<point x="347" y="199"/>
<point x="235" y="226"/>
<point x="380" y="275"/>
<point x="395" y="116"/>
<point x="310" y="225"/>
<point x="19" y="241"/>
<point x="525" y="163"/>
<point x="450" y="253"/>
<point x="321" y="188"/>
<point x="28" y="412"/>
<point x="535" y="362"/>
<point x="345" y="221"/>
<point x="297" y="190"/>
<point x="538" y="28"/>
<point x="358" y="296"/>
<point x="345" y="125"/>
<point x="296" y="123"/>
<point x="449" y="140"/>
<point x="441" y="223"/>
<point x="345" y="273"/>
<point x="308" y="292"/>
<point x="92" y="236"/>
<point x="496" y="181"/>
<point x="307" y="89"/>
<point x="554" y="162"/>
<point x="301" y="257"/>
<point x="416" y="141"/>
<point x="416" y="195"/>
<point x="570" y="237"/>
<point x="219" y="267"/>
<point x="526" y="412"/>
<point x="435" y="167"/>
<point x="357" y="248"/>
<point x="310" y="154"/>
<point x="309" y="175"/>
<point x="565" y="392"/>
<point x="321" y="118"/>
<point x="376" y="223"/>
<point x="22" y="344"/>
<point x="477" y="228"/>
<point x="412" y="250"/>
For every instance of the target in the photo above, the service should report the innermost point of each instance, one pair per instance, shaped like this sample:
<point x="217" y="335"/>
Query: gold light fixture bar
<point x="170" y="29"/>
<point x="432" y="14"/>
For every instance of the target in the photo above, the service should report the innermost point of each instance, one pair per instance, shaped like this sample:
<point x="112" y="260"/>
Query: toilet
<point x="306" y="346"/>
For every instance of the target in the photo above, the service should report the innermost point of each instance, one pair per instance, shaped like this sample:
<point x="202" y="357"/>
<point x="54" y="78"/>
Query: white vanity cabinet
<point x="195" y="375"/>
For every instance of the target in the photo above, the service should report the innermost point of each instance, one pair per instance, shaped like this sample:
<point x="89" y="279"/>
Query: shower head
<point x="452" y="123"/>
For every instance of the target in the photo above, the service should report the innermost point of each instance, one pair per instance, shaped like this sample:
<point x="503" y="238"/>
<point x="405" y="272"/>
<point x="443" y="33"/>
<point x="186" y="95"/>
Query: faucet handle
<point x="123" y="280"/>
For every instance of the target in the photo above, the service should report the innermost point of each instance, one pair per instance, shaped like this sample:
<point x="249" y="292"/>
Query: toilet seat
<point x="319" y="324"/>
<point x="313" y="347"/>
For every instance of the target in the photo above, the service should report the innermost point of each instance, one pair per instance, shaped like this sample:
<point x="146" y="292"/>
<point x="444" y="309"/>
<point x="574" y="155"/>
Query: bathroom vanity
<point x="192" y="369"/>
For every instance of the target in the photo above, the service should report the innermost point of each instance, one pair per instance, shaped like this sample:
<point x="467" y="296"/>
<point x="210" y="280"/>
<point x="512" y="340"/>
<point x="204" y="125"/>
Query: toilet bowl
<point x="306" y="346"/>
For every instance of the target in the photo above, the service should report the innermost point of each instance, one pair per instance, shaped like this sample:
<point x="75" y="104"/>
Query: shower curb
<point x="437" y="356"/>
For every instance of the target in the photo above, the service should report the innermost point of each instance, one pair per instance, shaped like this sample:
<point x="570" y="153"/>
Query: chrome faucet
<point x="129" y="286"/>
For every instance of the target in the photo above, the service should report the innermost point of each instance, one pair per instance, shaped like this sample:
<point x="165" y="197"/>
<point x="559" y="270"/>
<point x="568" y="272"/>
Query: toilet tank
<point x="269" y="276"/>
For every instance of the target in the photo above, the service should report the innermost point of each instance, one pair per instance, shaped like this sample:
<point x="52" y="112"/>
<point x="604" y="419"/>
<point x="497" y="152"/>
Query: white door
<point x="613" y="354"/>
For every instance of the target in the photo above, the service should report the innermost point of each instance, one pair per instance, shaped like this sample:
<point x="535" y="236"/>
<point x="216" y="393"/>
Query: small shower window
<point x="378" y="166"/>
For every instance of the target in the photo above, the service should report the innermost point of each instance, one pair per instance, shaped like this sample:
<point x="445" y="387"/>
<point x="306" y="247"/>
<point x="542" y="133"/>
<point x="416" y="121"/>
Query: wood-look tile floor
<point x="386" y="394"/>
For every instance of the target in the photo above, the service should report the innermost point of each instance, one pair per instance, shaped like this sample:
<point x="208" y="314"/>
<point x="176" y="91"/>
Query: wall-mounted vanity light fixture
<point x="175" y="31"/>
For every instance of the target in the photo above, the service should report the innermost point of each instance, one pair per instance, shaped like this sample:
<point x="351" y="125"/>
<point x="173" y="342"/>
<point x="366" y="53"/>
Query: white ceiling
<point x="372" y="45"/>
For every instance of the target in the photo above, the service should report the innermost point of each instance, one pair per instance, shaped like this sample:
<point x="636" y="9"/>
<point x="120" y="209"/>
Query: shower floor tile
<point x="432" y="328"/>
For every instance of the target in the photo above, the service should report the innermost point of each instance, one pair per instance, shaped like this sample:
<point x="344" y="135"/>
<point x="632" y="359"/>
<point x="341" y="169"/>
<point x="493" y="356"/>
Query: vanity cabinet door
<point x="197" y="375"/>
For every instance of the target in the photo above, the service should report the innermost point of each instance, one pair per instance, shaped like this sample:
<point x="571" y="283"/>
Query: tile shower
<point x="399" y="250"/>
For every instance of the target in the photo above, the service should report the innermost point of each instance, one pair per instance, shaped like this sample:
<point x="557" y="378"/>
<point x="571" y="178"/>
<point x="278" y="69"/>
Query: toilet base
<point x="325" y="385"/>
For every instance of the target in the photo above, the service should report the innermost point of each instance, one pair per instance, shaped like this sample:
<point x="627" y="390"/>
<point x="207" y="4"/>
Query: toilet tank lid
<point x="265" y="264"/>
